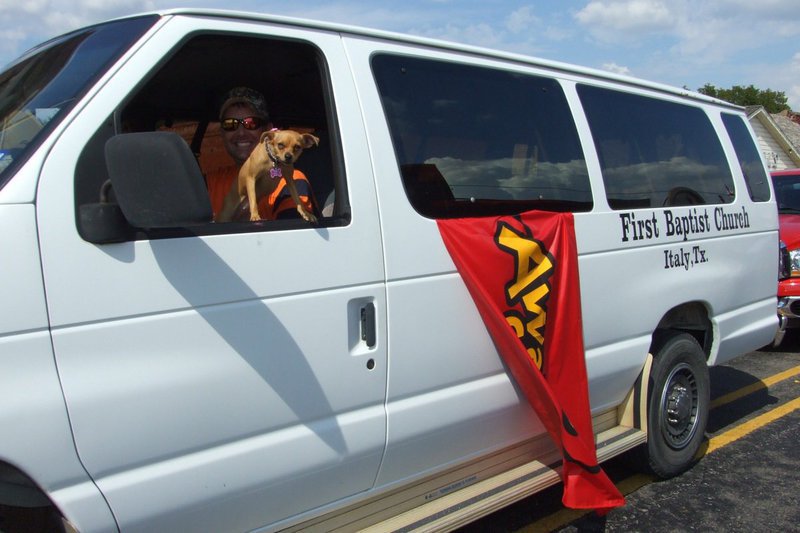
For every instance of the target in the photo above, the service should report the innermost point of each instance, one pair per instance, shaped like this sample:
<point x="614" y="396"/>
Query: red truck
<point x="787" y="192"/>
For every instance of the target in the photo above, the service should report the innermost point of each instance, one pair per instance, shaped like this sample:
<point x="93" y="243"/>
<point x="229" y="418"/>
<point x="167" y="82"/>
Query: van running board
<point x="460" y="496"/>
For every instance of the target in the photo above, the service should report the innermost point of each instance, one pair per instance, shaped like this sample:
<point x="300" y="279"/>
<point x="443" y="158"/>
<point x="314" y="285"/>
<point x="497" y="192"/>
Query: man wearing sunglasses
<point x="243" y="118"/>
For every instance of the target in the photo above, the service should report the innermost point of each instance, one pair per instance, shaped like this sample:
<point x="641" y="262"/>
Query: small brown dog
<point x="272" y="159"/>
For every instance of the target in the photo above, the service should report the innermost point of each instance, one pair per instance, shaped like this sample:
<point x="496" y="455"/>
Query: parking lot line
<point x="751" y="425"/>
<point x="763" y="384"/>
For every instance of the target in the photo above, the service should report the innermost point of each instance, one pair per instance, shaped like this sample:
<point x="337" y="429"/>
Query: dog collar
<point x="275" y="171"/>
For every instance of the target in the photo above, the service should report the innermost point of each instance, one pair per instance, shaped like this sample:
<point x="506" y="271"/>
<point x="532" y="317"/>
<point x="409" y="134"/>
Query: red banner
<point x="522" y="272"/>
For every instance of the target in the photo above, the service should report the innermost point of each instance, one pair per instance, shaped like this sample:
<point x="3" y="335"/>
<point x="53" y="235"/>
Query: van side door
<point x="221" y="378"/>
<point x="446" y="146"/>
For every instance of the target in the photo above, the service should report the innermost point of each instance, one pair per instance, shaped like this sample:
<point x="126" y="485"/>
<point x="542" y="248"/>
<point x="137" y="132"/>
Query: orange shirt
<point x="218" y="187"/>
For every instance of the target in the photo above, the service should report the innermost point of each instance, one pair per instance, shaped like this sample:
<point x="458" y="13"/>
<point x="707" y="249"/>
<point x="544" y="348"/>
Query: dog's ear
<point x="270" y="134"/>
<point x="309" y="140"/>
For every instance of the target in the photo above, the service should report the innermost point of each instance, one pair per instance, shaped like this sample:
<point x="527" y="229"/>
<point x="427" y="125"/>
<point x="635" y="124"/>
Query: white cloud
<point x="700" y="31"/>
<point x="709" y="33"/>
<point x="35" y="6"/>
<point x="354" y="13"/>
<point x="792" y="77"/>
<point x="481" y="34"/>
<point x="616" y="69"/>
<point x="620" y="20"/>
<point x="762" y="10"/>
<point x="517" y="32"/>
<point x="23" y="24"/>
<point x="521" y="20"/>
<point x="691" y="42"/>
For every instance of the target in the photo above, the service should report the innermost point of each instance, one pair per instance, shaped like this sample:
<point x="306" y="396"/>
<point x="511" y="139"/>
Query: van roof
<point x="443" y="45"/>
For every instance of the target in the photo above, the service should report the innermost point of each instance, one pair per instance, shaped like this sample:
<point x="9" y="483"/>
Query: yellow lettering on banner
<point x="533" y="267"/>
<point x="529" y="254"/>
<point x="536" y="326"/>
<point x="517" y="323"/>
<point x="532" y="300"/>
<point x="537" y="355"/>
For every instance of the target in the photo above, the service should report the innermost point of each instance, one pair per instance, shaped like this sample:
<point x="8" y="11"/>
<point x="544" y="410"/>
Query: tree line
<point x="773" y="101"/>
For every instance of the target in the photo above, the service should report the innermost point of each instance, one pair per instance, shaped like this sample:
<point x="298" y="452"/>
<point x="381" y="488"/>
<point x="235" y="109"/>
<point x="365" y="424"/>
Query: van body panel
<point x="37" y="439"/>
<point x="41" y="444"/>
<point x="22" y="189"/>
<point x="271" y="376"/>
<point x="21" y="283"/>
<point x="745" y="327"/>
<point x="443" y="382"/>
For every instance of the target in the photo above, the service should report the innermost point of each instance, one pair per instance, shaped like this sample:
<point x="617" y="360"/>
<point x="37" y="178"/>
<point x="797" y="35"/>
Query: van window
<point x="473" y="141"/>
<point x="184" y="95"/>
<point x="654" y="152"/>
<point x="749" y="158"/>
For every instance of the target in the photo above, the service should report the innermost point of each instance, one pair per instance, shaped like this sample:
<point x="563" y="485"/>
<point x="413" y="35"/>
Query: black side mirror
<point x="103" y="222"/>
<point x="157" y="184"/>
<point x="157" y="181"/>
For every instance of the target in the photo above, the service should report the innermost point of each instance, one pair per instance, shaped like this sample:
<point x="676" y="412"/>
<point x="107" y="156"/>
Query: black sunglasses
<point x="249" y="123"/>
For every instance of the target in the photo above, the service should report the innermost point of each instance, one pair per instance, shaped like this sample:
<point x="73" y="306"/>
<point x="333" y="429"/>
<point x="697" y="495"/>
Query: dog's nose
<point x="288" y="158"/>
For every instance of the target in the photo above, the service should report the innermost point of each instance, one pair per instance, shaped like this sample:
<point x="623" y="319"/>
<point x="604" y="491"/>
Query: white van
<point x="162" y="372"/>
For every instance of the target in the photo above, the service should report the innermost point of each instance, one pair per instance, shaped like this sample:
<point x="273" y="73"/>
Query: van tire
<point x="677" y="407"/>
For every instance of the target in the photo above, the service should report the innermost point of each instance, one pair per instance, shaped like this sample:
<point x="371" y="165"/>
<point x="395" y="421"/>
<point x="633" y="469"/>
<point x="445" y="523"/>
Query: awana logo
<point x="529" y="290"/>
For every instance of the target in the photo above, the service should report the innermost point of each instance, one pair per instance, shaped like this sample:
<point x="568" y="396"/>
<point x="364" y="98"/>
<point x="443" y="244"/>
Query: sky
<point x="684" y="43"/>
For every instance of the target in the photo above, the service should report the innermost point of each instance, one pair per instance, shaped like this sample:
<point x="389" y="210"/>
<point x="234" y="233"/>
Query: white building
<point x="778" y="137"/>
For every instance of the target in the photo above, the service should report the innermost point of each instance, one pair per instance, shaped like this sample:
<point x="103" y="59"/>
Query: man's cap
<point x="245" y="95"/>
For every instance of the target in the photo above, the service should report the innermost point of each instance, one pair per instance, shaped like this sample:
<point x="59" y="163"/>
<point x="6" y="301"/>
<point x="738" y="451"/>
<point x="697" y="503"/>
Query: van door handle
<point x="368" y="324"/>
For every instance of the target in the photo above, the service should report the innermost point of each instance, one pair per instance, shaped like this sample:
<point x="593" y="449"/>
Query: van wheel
<point x="677" y="409"/>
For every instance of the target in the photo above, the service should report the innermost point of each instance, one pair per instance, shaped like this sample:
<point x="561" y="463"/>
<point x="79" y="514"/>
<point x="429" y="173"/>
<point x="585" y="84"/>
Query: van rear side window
<point x="473" y="141"/>
<point x="749" y="158"/>
<point x="654" y="152"/>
